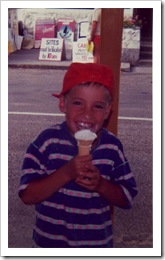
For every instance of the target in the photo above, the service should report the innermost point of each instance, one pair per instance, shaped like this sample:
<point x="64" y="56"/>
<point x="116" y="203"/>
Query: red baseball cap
<point x="79" y="73"/>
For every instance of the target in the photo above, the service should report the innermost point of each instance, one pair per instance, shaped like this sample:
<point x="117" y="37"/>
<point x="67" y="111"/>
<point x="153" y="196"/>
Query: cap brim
<point x="56" y="95"/>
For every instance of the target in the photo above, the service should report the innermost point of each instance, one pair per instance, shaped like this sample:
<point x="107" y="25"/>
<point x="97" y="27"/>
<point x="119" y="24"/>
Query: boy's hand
<point x="76" y="166"/>
<point x="90" y="177"/>
<point x="89" y="40"/>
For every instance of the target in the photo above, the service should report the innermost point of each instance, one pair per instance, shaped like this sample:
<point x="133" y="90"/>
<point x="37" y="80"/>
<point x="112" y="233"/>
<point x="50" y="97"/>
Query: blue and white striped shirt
<point x="74" y="216"/>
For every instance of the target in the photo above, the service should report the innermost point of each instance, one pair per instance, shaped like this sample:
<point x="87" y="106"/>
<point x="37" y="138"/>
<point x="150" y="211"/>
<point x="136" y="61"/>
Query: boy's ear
<point x="108" y="111"/>
<point x="61" y="104"/>
<point x="108" y="116"/>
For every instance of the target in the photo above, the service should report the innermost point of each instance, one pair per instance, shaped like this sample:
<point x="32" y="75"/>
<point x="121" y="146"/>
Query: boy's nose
<point x="88" y="113"/>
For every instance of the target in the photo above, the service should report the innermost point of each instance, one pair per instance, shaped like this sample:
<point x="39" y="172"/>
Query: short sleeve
<point x="33" y="167"/>
<point x="96" y="15"/>
<point x="123" y="176"/>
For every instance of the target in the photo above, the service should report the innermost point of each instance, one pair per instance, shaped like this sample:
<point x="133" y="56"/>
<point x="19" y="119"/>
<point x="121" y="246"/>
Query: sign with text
<point x="51" y="49"/>
<point x="80" y="53"/>
<point x="44" y="28"/>
<point x="65" y="30"/>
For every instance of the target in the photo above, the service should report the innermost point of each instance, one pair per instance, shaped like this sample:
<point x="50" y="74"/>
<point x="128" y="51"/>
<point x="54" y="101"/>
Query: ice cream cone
<point x="85" y="139"/>
<point x="84" y="147"/>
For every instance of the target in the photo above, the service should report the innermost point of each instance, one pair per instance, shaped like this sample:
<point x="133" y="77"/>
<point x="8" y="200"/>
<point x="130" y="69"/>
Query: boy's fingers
<point x="85" y="158"/>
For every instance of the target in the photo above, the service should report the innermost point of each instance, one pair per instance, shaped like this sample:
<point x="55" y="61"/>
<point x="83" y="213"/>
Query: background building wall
<point x="23" y="22"/>
<point x="29" y="17"/>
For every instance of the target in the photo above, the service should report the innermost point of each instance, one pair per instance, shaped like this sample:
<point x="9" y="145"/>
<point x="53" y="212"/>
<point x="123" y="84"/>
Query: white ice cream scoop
<point x="85" y="139"/>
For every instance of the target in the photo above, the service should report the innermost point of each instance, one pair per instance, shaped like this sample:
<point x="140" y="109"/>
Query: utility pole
<point x="110" y="54"/>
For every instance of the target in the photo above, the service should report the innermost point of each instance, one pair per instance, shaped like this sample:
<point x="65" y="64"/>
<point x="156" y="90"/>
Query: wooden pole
<point x="110" y="54"/>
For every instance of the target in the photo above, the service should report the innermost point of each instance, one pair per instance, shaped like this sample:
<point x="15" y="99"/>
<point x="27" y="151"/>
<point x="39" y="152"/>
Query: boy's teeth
<point x="84" y="126"/>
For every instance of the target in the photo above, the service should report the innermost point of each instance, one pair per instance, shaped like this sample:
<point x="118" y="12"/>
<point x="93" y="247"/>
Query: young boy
<point x="72" y="193"/>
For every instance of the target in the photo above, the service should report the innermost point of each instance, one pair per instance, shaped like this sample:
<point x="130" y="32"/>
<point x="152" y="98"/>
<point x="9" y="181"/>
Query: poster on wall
<point x="44" y="28"/>
<point x="51" y="49"/>
<point x="83" y="29"/>
<point x="65" y="30"/>
<point x="80" y="53"/>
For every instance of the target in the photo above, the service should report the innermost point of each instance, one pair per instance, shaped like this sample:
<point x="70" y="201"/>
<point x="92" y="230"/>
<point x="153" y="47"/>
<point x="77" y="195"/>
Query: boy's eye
<point x="99" y="106"/>
<point x="77" y="103"/>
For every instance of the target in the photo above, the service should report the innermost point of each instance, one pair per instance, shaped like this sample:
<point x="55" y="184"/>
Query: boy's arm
<point x="93" y="181"/>
<point x="40" y="189"/>
<point x="94" y="24"/>
<point x="112" y="192"/>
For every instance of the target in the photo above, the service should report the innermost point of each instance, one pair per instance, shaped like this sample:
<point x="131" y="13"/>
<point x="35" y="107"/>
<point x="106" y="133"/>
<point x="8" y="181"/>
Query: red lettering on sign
<point x="81" y="45"/>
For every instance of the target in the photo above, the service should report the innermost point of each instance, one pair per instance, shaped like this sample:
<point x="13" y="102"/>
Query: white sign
<point x="51" y="49"/>
<point x="80" y="53"/>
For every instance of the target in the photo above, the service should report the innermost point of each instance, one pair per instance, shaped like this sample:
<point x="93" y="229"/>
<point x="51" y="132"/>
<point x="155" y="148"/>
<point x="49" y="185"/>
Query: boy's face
<point x="85" y="108"/>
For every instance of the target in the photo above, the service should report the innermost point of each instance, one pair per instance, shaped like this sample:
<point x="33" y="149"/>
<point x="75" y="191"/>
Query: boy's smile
<point x="85" y="107"/>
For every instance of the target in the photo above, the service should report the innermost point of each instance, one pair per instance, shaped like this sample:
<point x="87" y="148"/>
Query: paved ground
<point x="30" y="59"/>
<point x="30" y="91"/>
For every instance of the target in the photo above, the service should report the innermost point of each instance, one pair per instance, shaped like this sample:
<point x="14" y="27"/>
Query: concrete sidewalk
<point x="30" y="59"/>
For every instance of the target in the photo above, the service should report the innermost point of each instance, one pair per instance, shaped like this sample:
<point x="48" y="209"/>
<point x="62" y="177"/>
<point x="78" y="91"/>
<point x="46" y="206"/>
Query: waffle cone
<point x="84" y="146"/>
